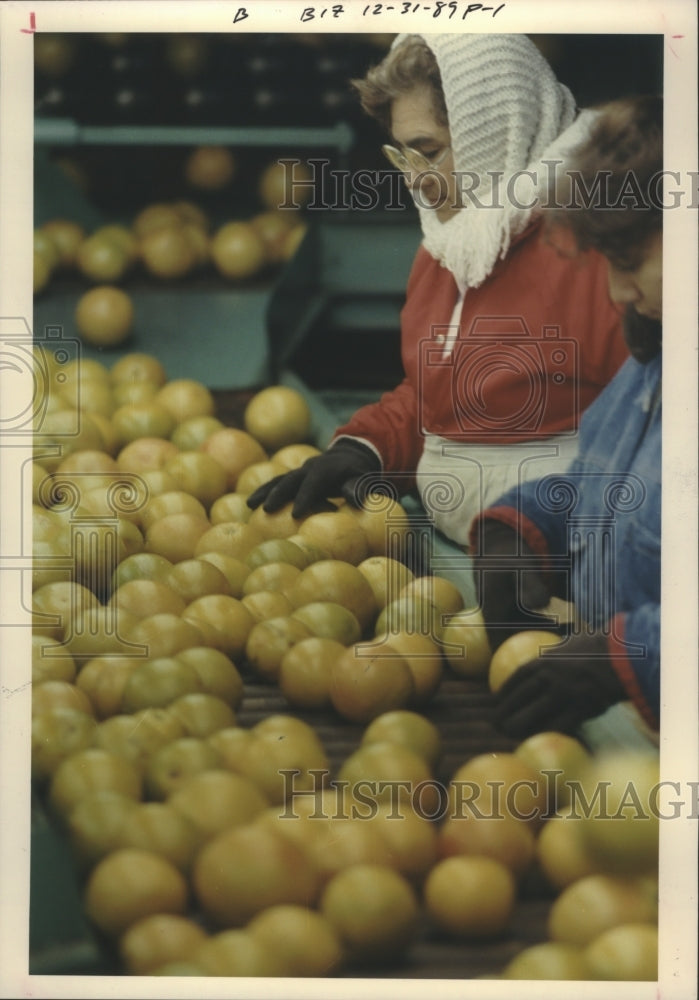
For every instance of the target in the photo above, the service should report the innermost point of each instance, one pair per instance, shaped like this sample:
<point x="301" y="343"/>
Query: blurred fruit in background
<point x="238" y="251"/>
<point x="210" y="168"/>
<point x="104" y="316"/>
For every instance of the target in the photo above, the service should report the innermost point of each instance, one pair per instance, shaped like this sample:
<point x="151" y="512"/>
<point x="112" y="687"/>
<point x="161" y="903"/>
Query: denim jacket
<point x="601" y="521"/>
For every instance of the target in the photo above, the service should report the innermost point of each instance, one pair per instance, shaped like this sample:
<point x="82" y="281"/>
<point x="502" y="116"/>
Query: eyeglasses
<point x="410" y="160"/>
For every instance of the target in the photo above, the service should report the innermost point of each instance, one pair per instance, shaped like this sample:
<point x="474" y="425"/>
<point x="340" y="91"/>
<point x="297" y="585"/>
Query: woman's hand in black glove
<point x="509" y="584"/>
<point x="343" y="470"/>
<point x="563" y="687"/>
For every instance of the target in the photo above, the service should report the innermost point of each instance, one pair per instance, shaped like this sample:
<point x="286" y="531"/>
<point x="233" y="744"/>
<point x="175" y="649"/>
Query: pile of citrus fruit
<point x="205" y="847"/>
<point x="172" y="240"/>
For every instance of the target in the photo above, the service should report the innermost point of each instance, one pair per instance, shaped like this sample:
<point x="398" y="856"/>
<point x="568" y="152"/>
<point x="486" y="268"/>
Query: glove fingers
<point x="355" y="489"/>
<point x="284" y="488"/>
<point x="533" y="593"/>
<point x="312" y="496"/>
<point x="259" y="495"/>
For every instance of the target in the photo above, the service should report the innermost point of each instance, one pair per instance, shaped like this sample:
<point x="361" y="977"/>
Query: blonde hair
<point x="410" y="64"/>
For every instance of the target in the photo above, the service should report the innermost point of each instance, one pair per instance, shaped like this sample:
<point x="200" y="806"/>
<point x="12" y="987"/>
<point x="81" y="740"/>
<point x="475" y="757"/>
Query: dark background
<point x="261" y="80"/>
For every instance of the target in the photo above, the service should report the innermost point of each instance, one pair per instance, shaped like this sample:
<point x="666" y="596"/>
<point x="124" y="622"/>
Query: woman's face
<point x="642" y="287"/>
<point x="413" y="125"/>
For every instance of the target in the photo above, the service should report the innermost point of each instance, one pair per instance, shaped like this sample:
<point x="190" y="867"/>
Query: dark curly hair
<point x="625" y="151"/>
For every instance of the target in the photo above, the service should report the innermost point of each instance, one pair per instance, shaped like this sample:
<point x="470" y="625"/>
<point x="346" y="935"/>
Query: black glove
<point x="509" y="594"/>
<point x="560" y="689"/>
<point x="339" y="471"/>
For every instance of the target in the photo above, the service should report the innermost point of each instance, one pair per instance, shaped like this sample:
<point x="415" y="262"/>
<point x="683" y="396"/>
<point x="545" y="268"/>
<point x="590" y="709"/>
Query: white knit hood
<point x="507" y="113"/>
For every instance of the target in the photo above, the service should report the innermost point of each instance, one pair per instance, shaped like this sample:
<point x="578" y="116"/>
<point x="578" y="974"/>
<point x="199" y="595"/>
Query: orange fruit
<point x="626" y="953"/>
<point x="373" y="910"/>
<point x="465" y="643"/>
<point x="198" y="474"/>
<point x="386" y="526"/>
<point x="51" y="661"/>
<point x="56" y="734"/>
<point x="157" y="939"/>
<point x="123" y="237"/>
<point x="234" y="570"/>
<point x="102" y="259"/>
<point x="561" y="852"/>
<point x="504" y="838"/>
<point x="155" y="216"/>
<point x="103" y="679"/>
<point x="167" y="252"/>
<point x="302" y="939"/>
<point x="171" y="765"/>
<point x="234" y="449"/>
<point x="514" y="652"/>
<point x="305" y="671"/>
<point x="186" y="398"/>
<point x="238" y="251"/>
<point x="595" y="903"/>
<point x="274" y="227"/>
<point x="278" y="416"/>
<point x="191" y="432"/>
<point x="224" y="622"/>
<point x="256" y="475"/>
<point x="217" y="800"/>
<point x="104" y="316"/>
<point x="175" y="501"/>
<point x="164" y="634"/>
<point x="441" y="592"/>
<point x="145" y="454"/>
<point x="147" y="597"/>
<point x="175" y="536"/>
<point x="337" y="581"/>
<point x="391" y="772"/>
<point x="548" y="960"/>
<point x="52" y="695"/>
<point x="231" y="538"/>
<point x="470" y="897"/>
<point x="138" y="367"/>
<point x="269" y="640"/>
<point x="409" y="729"/>
<point x="67" y="235"/>
<point x="424" y="661"/>
<point x="142" y="420"/>
<point x="504" y="784"/>
<point x="235" y="953"/>
<point x="95" y="824"/>
<point x="217" y="673"/>
<point x="292" y="456"/>
<point x="245" y="870"/>
<point x="193" y="578"/>
<point x="137" y="736"/>
<point x="338" y="534"/>
<point x="158" y="827"/>
<point x="229" y="507"/>
<point x="263" y="604"/>
<point x="386" y="577"/>
<point x="130" y="884"/>
<point x="285" y="185"/>
<point x="91" y="770"/>
<point x="369" y="679"/>
<point x="210" y="168"/>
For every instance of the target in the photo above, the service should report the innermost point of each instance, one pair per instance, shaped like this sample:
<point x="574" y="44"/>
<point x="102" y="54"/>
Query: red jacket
<point x="537" y="342"/>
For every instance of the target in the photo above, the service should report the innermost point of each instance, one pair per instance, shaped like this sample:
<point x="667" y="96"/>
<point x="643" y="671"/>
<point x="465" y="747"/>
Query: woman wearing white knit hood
<point x="504" y="341"/>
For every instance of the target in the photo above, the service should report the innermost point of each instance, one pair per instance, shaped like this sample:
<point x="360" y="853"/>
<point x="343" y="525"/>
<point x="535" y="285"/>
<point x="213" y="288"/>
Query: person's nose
<point x="622" y="288"/>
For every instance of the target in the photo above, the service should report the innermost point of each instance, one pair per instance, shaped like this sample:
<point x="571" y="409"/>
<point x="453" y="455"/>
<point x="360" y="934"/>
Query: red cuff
<point x="625" y="672"/>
